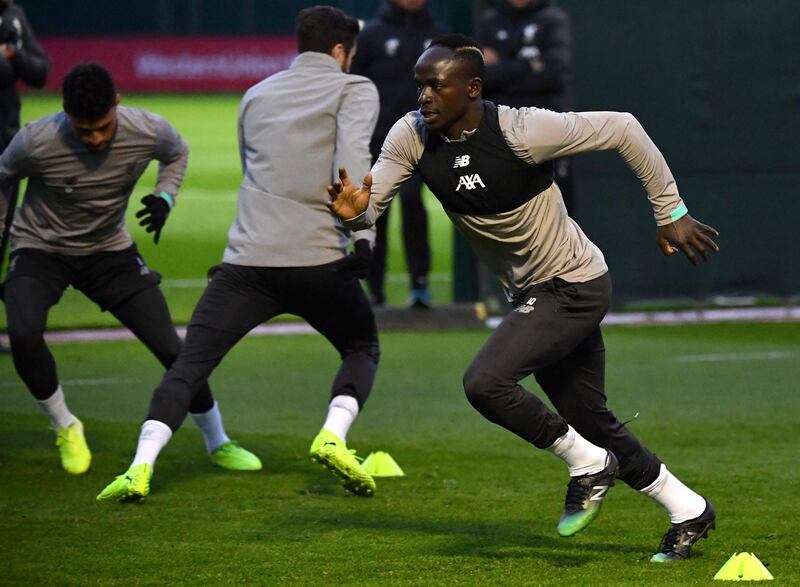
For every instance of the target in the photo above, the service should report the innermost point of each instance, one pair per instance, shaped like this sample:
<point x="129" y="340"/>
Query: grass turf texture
<point x="196" y="232"/>
<point x="477" y="507"/>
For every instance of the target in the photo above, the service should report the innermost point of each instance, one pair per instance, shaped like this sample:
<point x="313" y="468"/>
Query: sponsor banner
<point x="174" y="63"/>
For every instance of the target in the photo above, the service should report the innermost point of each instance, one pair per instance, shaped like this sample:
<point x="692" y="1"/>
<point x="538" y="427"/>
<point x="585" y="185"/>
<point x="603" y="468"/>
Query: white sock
<point x="154" y="436"/>
<point x="56" y="409"/>
<point x="210" y="425"/>
<point x="342" y="412"/>
<point x="680" y="502"/>
<point x="582" y="457"/>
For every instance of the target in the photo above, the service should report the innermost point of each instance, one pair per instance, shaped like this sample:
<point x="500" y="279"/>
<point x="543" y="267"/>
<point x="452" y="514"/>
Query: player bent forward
<point x="490" y="167"/>
<point x="286" y="252"/>
<point x="82" y="165"/>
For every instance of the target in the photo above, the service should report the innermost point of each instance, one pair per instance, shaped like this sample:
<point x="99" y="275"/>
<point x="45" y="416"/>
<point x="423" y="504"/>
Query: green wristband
<point x="679" y="212"/>
<point x="171" y="201"/>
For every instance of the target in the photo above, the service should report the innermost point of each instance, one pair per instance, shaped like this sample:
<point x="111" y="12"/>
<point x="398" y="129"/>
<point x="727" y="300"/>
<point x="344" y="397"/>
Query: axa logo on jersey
<point x="461" y="161"/>
<point x="470" y="182"/>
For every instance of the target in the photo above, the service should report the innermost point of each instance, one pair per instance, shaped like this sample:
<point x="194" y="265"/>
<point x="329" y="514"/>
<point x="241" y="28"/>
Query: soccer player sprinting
<point x="82" y="165"/>
<point x="286" y="252"/>
<point x="490" y="168"/>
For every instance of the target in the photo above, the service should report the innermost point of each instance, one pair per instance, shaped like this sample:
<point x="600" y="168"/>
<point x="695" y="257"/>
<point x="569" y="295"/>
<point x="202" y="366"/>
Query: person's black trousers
<point x="554" y="334"/>
<point x="117" y="281"/>
<point x="414" y="227"/>
<point x="238" y="298"/>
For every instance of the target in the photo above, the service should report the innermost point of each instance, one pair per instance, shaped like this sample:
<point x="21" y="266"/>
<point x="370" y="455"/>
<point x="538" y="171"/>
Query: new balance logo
<point x="598" y="493"/>
<point x="527" y="307"/>
<point x="469" y="182"/>
<point x="461" y="161"/>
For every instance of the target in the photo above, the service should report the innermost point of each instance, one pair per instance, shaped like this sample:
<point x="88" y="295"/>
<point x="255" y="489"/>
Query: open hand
<point x="689" y="236"/>
<point x="347" y="201"/>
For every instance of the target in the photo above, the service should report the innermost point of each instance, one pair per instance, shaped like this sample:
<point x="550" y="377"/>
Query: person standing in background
<point x="388" y="48"/>
<point x="528" y="50"/>
<point x="21" y="59"/>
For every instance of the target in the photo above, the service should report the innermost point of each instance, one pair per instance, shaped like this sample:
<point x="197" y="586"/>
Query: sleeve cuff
<point x="168" y="199"/>
<point x="678" y="212"/>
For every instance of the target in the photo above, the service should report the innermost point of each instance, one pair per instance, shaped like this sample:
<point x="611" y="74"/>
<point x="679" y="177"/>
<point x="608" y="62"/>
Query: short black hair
<point x="465" y="49"/>
<point x="321" y="28"/>
<point x="88" y="92"/>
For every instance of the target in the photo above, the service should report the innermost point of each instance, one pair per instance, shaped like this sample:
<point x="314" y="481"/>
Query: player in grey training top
<point x="490" y="168"/>
<point x="82" y="165"/>
<point x="286" y="252"/>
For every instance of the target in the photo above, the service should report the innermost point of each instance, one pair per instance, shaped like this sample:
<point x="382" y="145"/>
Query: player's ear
<point x="474" y="88"/>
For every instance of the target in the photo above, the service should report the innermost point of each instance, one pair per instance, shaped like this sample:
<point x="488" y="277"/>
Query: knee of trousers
<point x="484" y="389"/>
<point x="370" y="350"/>
<point x="24" y="339"/>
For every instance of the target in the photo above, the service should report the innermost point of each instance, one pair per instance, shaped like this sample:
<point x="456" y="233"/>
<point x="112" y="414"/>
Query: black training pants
<point x="118" y="281"/>
<point x="554" y="334"/>
<point x="238" y="298"/>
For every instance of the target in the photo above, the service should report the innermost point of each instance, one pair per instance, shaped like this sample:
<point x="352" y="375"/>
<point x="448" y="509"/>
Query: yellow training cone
<point x="743" y="566"/>
<point x="381" y="464"/>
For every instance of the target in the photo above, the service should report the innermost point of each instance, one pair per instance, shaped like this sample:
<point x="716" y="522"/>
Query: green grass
<point x="196" y="232"/>
<point x="477" y="506"/>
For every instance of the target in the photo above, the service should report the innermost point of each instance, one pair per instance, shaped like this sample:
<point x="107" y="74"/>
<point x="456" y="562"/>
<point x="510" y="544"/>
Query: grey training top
<point x="296" y="128"/>
<point x="76" y="199"/>
<point x="536" y="241"/>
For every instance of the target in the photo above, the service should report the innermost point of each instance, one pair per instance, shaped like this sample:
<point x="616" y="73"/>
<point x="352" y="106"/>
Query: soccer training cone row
<point x="743" y="566"/>
<point x="381" y="464"/>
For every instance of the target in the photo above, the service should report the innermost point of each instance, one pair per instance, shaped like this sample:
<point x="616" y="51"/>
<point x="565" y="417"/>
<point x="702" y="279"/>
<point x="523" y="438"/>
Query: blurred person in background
<point x="22" y="59"/>
<point x="388" y="47"/>
<point x="286" y="252"/>
<point x="82" y="165"/>
<point x="528" y="49"/>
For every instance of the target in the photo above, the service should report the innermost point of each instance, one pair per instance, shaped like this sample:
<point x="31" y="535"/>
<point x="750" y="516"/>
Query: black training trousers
<point x="118" y="281"/>
<point x="414" y="226"/>
<point x="238" y="298"/>
<point x="554" y="334"/>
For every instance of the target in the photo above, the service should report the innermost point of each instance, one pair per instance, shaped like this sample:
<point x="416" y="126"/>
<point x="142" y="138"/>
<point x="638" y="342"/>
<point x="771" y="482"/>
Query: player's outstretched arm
<point x="347" y="201"/>
<point x="689" y="236"/>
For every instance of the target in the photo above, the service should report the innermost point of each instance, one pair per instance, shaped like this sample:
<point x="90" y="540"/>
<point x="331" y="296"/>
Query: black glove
<point x="153" y="215"/>
<point x="358" y="262"/>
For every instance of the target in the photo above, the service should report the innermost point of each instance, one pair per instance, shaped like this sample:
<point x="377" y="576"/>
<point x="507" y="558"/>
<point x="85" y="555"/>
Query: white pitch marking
<point x="722" y="357"/>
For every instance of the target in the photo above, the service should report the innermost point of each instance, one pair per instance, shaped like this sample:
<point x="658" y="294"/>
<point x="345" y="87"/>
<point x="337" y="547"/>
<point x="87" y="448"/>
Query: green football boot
<point x="331" y="452"/>
<point x="676" y="545"/>
<point x="585" y="495"/>
<point x="75" y="454"/>
<point x="229" y="455"/>
<point x="132" y="486"/>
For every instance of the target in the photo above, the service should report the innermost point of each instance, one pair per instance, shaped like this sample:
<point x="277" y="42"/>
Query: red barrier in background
<point x="174" y="63"/>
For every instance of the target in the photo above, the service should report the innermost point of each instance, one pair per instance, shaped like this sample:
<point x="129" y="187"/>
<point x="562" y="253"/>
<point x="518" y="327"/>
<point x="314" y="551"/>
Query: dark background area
<point x="715" y="83"/>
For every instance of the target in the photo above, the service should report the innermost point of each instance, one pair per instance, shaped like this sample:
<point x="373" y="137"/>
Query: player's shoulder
<point x="361" y="85"/>
<point x="140" y="122"/>
<point x="43" y="130"/>
<point x="552" y="15"/>
<point x="410" y="126"/>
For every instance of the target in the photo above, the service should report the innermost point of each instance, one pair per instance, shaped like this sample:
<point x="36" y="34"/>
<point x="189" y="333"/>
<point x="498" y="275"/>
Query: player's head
<point x="90" y="102"/>
<point x="449" y="77"/>
<point x="328" y="30"/>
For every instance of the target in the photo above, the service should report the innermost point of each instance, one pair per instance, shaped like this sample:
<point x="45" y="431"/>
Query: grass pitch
<point x="477" y="506"/>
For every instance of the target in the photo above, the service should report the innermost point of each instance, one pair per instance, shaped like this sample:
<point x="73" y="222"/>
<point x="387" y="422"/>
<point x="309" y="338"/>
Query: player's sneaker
<point x="229" y="455"/>
<point x="331" y="452"/>
<point x="75" y="454"/>
<point x="585" y="495"/>
<point x="132" y="485"/>
<point x="677" y="543"/>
